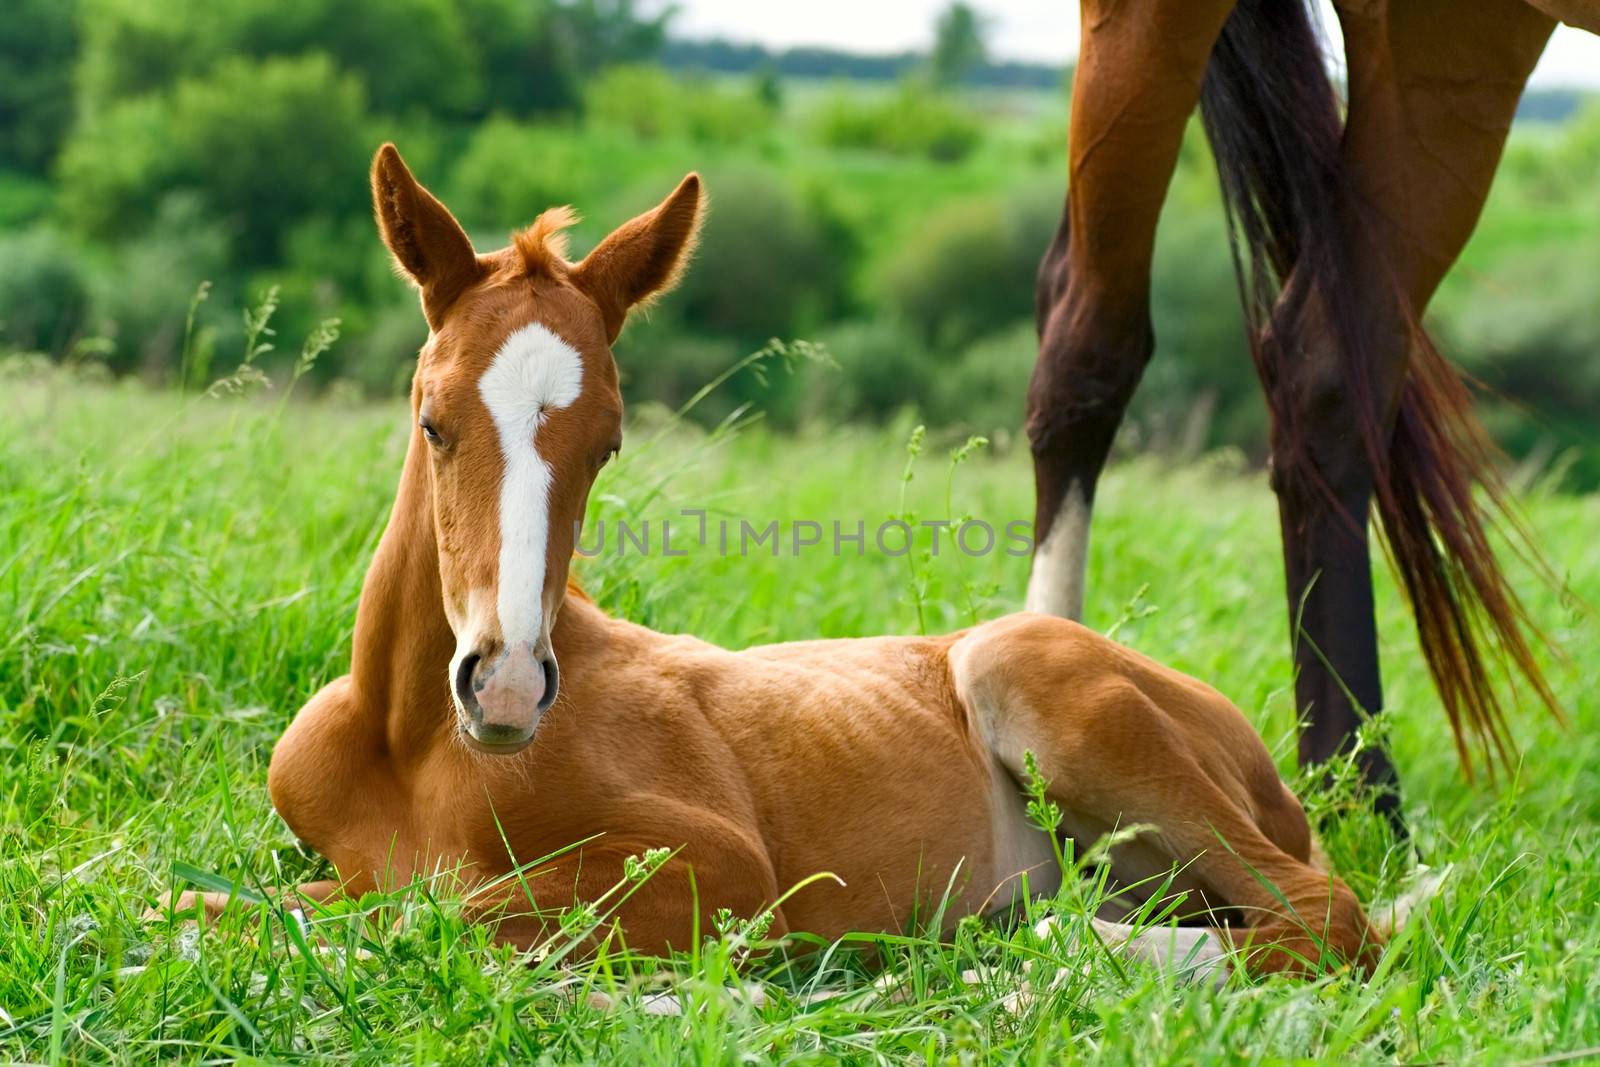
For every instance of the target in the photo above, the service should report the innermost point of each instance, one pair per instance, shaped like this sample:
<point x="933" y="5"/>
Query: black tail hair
<point x="1272" y="116"/>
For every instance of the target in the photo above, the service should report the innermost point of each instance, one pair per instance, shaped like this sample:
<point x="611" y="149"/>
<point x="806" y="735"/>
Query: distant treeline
<point x="1552" y="105"/>
<point x="896" y="216"/>
<point x="719" y="56"/>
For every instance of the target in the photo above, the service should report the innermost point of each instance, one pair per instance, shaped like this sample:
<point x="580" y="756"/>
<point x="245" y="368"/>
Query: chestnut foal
<point x="455" y="742"/>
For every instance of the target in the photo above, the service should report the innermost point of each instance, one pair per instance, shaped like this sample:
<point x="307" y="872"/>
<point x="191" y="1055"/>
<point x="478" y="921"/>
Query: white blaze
<point x="533" y="372"/>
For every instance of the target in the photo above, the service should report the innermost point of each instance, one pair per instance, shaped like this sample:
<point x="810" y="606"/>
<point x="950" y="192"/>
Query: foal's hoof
<point x="192" y="906"/>
<point x="1339" y="935"/>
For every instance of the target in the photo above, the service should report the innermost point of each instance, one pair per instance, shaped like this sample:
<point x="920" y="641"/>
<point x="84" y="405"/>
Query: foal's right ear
<point x="425" y="239"/>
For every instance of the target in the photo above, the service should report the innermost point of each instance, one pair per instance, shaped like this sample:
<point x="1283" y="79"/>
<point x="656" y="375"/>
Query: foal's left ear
<point x="642" y="258"/>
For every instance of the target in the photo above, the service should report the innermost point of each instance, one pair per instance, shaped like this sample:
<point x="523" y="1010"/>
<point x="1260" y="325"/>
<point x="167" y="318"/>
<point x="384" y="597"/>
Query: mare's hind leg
<point x="1123" y="740"/>
<point x="1137" y="82"/>
<point x="1433" y="87"/>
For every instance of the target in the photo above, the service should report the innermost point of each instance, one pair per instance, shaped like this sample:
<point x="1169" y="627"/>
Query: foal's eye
<point x="430" y="431"/>
<point x="610" y="454"/>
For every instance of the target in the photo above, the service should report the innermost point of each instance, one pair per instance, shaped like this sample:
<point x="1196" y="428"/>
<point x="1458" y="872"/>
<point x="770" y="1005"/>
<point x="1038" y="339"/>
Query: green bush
<point x="662" y="366"/>
<point x="770" y="262"/>
<point x="44" y="292"/>
<point x="24" y="199"/>
<point x="667" y="366"/>
<point x="986" y="388"/>
<point x="1558" y="168"/>
<point x="341" y="252"/>
<point x="143" y="291"/>
<point x="969" y="269"/>
<point x="381" y="352"/>
<point x="644" y="101"/>
<point x="913" y="121"/>
<point x="116" y="166"/>
<point x="273" y="141"/>
<point x="263" y="144"/>
<point x="1531" y="337"/>
<point x="134" y="48"/>
<point x="508" y="172"/>
<point x="443" y="59"/>
<point x="651" y="104"/>
<point x="36" y="53"/>
<point x="1202" y="353"/>
<point x="883" y="367"/>
<point x="410" y="55"/>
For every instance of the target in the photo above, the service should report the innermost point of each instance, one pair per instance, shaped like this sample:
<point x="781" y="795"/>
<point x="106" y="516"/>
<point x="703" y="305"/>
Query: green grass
<point x="176" y="576"/>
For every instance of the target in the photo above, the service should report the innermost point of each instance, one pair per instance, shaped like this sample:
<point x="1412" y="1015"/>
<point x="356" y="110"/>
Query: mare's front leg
<point x="1137" y="83"/>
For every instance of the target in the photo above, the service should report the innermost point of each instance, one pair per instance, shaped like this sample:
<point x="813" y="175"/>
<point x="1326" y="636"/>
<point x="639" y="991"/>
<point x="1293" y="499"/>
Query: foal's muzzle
<point x="502" y="699"/>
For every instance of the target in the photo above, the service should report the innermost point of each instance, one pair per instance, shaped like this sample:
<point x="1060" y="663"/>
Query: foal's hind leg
<point x="1200" y="954"/>
<point x="1137" y="82"/>
<point x="1124" y="741"/>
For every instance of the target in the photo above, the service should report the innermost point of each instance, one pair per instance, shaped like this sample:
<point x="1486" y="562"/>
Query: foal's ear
<point x="642" y="258"/>
<point x="425" y="239"/>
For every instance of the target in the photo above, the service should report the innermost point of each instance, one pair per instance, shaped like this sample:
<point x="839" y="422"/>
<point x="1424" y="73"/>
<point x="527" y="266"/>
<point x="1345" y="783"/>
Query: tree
<point x="262" y="144"/>
<point x="958" y="44"/>
<point x="599" y="32"/>
<point x="523" y="55"/>
<point x="36" y="54"/>
<point x="769" y="86"/>
<point x="411" y="56"/>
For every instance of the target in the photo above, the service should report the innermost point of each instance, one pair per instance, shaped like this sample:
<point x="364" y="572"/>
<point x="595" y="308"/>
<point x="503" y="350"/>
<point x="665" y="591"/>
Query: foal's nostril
<point x="465" y="689"/>
<point x="552" y="680"/>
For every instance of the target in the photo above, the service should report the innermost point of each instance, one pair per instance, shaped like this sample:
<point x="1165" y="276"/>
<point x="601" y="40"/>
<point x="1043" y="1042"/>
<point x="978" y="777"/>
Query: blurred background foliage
<point x="893" y="208"/>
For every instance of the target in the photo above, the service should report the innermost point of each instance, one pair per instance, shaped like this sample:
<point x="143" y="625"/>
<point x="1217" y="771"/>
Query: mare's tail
<point x="1275" y="129"/>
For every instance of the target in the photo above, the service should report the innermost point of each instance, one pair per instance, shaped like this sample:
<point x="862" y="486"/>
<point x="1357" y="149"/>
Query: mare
<point x="1343" y="227"/>
<point x="494" y="714"/>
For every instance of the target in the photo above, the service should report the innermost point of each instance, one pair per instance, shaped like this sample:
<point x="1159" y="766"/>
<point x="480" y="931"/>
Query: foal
<point x="457" y="741"/>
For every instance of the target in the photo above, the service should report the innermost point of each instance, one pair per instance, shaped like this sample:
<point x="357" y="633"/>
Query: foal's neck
<point x="400" y="660"/>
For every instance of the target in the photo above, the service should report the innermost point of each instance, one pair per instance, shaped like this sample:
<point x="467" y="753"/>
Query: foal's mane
<point x="543" y="245"/>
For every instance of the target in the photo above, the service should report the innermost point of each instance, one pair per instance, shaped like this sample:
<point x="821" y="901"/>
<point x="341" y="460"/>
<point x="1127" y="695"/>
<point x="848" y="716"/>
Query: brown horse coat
<point x="892" y="762"/>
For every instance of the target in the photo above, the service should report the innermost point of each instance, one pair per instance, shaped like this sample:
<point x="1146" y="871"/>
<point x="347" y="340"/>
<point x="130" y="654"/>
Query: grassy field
<point x="177" y="575"/>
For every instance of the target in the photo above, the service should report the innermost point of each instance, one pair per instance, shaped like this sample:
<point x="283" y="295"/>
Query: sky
<point x="1038" y="30"/>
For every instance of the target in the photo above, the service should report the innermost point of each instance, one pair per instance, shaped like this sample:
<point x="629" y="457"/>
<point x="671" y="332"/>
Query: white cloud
<point x="1039" y="30"/>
